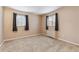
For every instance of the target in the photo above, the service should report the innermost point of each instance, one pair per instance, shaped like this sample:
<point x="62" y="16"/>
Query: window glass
<point x="20" y="20"/>
<point x="51" y="21"/>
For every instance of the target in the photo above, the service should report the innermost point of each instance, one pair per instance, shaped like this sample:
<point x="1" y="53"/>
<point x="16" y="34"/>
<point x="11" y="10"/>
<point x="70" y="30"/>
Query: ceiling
<point x="36" y="9"/>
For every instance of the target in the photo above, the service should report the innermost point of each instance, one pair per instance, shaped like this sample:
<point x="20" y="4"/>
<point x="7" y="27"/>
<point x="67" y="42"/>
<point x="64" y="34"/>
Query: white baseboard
<point x="69" y="42"/>
<point x="63" y="40"/>
<point x="21" y="37"/>
<point x="36" y="35"/>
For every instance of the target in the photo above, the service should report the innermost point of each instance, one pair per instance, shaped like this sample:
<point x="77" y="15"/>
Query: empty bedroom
<point x="39" y="28"/>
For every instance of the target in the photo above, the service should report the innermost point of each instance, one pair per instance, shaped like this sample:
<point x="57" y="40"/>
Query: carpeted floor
<point x="38" y="44"/>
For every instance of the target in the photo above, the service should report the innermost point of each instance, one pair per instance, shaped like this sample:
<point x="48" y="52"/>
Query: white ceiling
<point x="36" y="9"/>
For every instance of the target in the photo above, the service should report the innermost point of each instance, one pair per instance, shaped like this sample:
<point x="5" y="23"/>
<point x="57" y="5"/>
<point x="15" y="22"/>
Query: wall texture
<point x="34" y="24"/>
<point x="1" y="24"/>
<point x="68" y="23"/>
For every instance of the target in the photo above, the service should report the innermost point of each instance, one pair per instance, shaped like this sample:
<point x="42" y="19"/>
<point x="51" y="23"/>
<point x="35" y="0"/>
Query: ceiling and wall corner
<point x="36" y="9"/>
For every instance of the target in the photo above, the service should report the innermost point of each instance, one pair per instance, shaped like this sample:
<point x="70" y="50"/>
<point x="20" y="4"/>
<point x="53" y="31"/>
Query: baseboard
<point x="62" y="40"/>
<point x="37" y="35"/>
<point x="69" y="42"/>
<point x="21" y="37"/>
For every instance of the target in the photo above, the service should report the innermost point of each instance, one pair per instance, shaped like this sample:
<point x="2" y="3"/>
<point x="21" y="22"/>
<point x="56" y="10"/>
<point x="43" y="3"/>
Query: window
<point x="20" y="20"/>
<point x="51" y="21"/>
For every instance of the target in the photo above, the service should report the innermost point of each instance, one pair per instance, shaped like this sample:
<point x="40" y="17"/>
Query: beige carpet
<point x="38" y="44"/>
